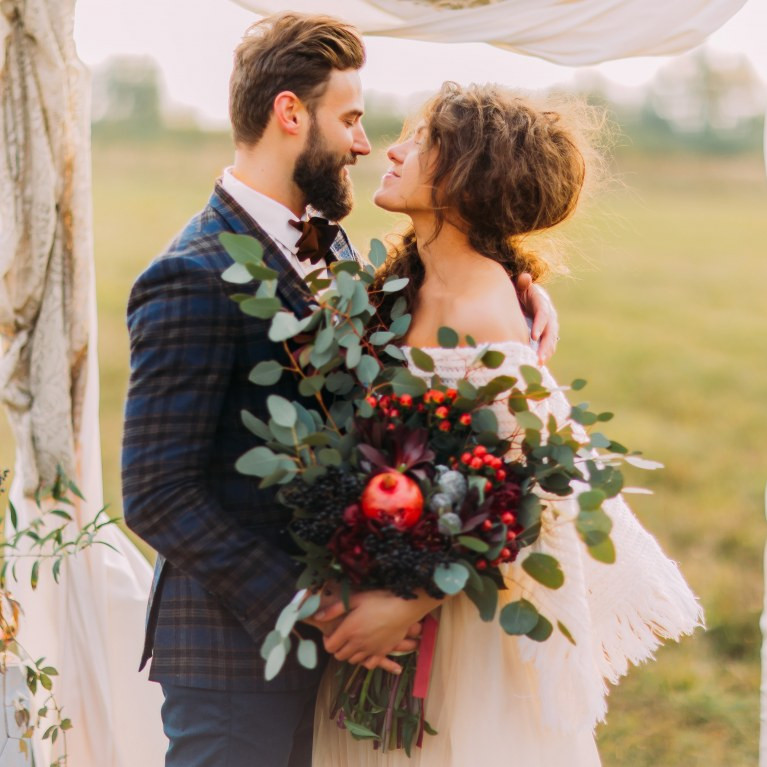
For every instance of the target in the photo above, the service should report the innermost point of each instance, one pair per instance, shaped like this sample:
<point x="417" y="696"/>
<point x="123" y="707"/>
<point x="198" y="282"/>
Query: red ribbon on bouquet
<point x="425" y="657"/>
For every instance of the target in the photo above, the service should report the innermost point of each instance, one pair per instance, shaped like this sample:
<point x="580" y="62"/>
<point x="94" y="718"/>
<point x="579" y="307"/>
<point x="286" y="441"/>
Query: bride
<point x="482" y="170"/>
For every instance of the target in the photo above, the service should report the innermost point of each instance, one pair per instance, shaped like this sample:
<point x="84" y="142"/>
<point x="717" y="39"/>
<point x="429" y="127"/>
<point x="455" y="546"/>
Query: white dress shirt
<point x="273" y="217"/>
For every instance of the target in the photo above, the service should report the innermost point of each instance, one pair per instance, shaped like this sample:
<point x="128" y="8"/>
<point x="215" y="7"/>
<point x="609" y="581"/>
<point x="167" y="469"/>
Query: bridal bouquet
<point x="399" y="484"/>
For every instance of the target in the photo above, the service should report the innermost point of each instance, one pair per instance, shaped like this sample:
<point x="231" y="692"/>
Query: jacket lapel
<point x="290" y="286"/>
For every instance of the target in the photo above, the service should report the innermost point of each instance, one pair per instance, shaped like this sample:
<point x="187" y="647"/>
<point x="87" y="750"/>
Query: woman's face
<point x="406" y="186"/>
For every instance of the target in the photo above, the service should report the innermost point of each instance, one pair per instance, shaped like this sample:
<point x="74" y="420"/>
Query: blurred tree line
<point x="701" y="103"/>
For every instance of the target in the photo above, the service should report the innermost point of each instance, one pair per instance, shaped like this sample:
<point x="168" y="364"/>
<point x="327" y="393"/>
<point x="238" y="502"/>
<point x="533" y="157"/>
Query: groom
<point x="224" y="569"/>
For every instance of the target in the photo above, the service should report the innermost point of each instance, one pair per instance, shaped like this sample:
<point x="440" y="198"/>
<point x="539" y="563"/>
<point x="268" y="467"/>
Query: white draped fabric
<point x="90" y="626"/>
<point x="569" y="32"/>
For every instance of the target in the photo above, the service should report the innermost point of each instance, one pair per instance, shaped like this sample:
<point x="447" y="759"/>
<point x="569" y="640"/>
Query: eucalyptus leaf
<point x="401" y="325"/>
<point x="276" y="660"/>
<point x="541" y="631"/>
<point x="484" y="420"/>
<point x="261" y="272"/>
<point x="353" y="356"/>
<point x="367" y="369"/>
<point x="517" y="618"/>
<point x="603" y="552"/>
<point x="381" y="337"/>
<point x="394" y="284"/>
<point x="310" y="386"/>
<point x="531" y="374"/>
<point x="377" y="254"/>
<point x="528" y="420"/>
<point x="345" y="284"/>
<point x="266" y="373"/>
<point x="359" y="301"/>
<point x="591" y="500"/>
<point x="263" y="308"/>
<point x="566" y="632"/>
<point x="308" y="607"/>
<point x="237" y="274"/>
<point x="404" y="382"/>
<point x="284" y="326"/>
<point x="273" y="638"/>
<point x="307" y="653"/>
<point x="243" y="248"/>
<point x="329" y="457"/>
<point x="255" y="425"/>
<point x="493" y="359"/>
<point x="451" y="578"/>
<point x="422" y="360"/>
<point x="258" y="462"/>
<point x="282" y="411"/>
<point x="395" y="352"/>
<point x="577" y="384"/>
<point x="545" y="569"/>
<point x="447" y="337"/>
<point x="475" y="544"/>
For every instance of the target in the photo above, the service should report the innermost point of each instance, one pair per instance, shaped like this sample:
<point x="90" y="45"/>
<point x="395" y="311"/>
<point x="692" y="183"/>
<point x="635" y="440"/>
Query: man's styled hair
<point x="286" y="52"/>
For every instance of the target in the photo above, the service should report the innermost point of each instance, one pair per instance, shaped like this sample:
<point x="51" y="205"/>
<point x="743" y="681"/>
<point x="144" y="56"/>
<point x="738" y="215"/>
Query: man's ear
<point x="289" y="112"/>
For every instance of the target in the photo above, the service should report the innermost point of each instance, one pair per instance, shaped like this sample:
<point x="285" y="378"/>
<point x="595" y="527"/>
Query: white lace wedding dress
<point x="501" y="700"/>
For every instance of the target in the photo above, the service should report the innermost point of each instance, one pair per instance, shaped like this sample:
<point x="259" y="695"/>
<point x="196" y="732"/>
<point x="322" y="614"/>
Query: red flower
<point x="441" y="412"/>
<point x="444" y="426"/>
<point x="406" y="400"/>
<point x="451" y="393"/>
<point x="465" y="419"/>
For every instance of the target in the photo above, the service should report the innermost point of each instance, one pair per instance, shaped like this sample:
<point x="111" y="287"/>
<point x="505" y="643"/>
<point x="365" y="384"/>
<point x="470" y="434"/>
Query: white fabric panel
<point x="569" y="32"/>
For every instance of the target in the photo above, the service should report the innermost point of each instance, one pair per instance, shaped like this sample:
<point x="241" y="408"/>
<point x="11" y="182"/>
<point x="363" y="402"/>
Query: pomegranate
<point x="393" y="498"/>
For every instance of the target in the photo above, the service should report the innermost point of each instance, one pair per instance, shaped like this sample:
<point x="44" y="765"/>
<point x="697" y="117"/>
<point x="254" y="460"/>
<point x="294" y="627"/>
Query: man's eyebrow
<point x="353" y="113"/>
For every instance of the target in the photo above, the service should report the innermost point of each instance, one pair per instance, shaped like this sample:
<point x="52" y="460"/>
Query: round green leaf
<point x="404" y="382"/>
<point x="266" y="373"/>
<point x="353" y="356"/>
<point x="475" y="544"/>
<point x="422" y="360"/>
<point x="309" y="606"/>
<point x="401" y="325"/>
<point x="447" y="338"/>
<point x="284" y="325"/>
<point x="308" y="387"/>
<point x="273" y="638"/>
<point x="257" y="462"/>
<point x="541" y="631"/>
<point x="381" y="337"/>
<point x="263" y="308"/>
<point x="394" y="284"/>
<point x="237" y="274"/>
<point x="578" y="384"/>
<point x="484" y="420"/>
<point x="591" y="500"/>
<point x="493" y="359"/>
<point x="307" y="653"/>
<point x="528" y="420"/>
<point x="276" y="660"/>
<point x="377" y="254"/>
<point x="282" y="411"/>
<point x="396" y="352"/>
<point x="255" y="425"/>
<point x="545" y="569"/>
<point x="451" y="578"/>
<point x="519" y="617"/>
<point x="243" y="248"/>
<point x="329" y="457"/>
<point x="367" y="369"/>
<point x="603" y="551"/>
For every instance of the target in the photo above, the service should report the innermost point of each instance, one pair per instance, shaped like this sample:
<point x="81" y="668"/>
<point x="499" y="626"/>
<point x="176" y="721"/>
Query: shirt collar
<point x="272" y="216"/>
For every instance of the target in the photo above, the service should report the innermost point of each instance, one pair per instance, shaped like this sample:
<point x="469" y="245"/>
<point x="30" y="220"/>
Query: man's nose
<point x="361" y="144"/>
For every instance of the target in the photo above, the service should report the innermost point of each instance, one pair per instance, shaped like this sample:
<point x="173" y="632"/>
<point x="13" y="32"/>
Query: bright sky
<point x="193" y="41"/>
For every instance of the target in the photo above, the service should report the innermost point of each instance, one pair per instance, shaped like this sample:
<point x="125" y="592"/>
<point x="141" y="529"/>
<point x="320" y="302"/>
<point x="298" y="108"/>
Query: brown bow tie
<point x="317" y="235"/>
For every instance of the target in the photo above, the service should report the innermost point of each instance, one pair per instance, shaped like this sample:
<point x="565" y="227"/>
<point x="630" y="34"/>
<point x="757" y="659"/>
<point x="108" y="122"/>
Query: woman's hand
<point x="378" y="623"/>
<point x="537" y="305"/>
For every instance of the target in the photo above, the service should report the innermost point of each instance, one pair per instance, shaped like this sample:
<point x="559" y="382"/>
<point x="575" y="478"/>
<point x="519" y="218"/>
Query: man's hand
<point x="537" y="305"/>
<point x="377" y="624"/>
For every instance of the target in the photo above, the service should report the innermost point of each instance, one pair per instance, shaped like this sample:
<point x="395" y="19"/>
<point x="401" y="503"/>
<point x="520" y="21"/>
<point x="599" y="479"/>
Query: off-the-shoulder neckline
<point x="477" y="348"/>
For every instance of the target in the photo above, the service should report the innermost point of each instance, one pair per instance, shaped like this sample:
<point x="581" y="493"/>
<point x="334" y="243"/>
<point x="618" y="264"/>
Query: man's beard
<point x="319" y="174"/>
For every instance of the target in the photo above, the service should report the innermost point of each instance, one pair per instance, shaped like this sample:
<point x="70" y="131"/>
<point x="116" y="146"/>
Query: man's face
<point x="335" y="139"/>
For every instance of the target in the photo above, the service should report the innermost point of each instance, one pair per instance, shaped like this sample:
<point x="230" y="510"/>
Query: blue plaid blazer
<point x="224" y="569"/>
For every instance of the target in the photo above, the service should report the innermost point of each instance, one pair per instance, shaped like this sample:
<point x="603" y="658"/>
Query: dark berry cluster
<point x="402" y="564"/>
<point x="319" y="507"/>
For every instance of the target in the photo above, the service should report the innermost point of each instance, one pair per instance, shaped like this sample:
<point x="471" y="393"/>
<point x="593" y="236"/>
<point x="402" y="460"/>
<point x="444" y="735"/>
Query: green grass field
<point x="663" y="314"/>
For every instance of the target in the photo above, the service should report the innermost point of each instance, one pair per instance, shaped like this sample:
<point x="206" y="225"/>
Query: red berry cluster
<point x="480" y="461"/>
<point x="391" y="406"/>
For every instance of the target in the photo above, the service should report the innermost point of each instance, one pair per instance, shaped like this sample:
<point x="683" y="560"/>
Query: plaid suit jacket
<point x="223" y="570"/>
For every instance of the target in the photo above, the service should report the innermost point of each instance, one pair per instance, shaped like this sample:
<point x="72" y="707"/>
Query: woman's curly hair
<point x="503" y="170"/>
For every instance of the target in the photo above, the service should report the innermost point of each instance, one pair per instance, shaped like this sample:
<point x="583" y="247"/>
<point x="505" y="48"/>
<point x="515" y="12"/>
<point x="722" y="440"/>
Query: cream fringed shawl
<point x="618" y="614"/>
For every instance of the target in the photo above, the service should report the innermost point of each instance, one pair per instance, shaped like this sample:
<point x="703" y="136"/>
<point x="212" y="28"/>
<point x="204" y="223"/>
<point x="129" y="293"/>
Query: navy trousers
<point x="214" y="728"/>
